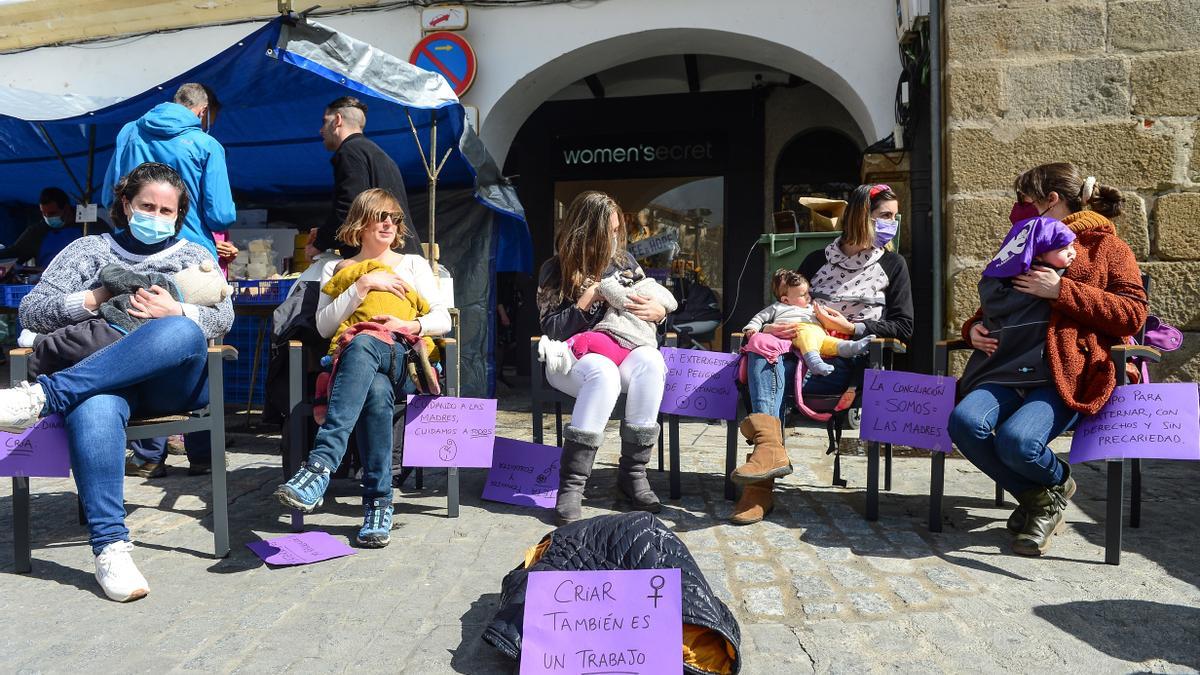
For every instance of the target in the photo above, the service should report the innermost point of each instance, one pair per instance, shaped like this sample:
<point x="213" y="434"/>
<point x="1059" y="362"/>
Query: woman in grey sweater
<point x="158" y="369"/>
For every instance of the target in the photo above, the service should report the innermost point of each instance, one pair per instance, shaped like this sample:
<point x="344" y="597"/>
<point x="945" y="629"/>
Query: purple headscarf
<point x="1025" y="241"/>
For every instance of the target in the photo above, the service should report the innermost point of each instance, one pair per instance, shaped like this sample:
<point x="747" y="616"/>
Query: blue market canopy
<point x="273" y="86"/>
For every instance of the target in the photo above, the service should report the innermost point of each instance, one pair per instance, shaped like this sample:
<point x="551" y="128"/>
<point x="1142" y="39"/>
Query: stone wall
<point x="1112" y="85"/>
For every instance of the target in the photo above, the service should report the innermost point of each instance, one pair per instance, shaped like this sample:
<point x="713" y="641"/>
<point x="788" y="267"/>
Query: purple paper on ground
<point x="616" y="621"/>
<point x="1148" y="421"/>
<point x="700" y="384"/>
<point x="525" y="474"/>
<point x="445" y="431"/>
<point x="39" y="451"/>
<point x="300" y="549"/>
<point x="907" y="409"/>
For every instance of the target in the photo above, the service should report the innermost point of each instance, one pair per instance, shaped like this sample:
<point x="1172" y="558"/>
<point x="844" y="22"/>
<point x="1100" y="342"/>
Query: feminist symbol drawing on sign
<point x="657" y="583"/>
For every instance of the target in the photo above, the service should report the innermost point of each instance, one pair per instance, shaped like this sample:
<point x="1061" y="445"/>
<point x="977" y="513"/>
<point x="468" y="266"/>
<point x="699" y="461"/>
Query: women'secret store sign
<point x="617" y="621"/>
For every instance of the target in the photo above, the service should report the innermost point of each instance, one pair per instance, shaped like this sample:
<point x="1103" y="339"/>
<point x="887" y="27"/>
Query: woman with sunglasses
<point x="859" y="287"/>
<point x="370" y="380"/>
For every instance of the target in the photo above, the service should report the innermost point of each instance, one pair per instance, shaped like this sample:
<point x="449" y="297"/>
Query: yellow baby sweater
<point x="411" y="306"/>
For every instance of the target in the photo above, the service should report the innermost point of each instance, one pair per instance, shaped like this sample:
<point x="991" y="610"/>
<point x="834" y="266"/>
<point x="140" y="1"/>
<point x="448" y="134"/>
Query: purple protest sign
<point x="700" y="384"/>
<point x="1149" y="421"/>
<point x="444" y="431"/>
<point x="907" y="409"/>
<point x="39" y="451"/>
<point x="525" y="474"/>
<point x="615" y="621"/>
<point x="300" y="549"/>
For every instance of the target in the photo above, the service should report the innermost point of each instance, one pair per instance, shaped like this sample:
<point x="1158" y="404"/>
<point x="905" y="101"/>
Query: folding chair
<point x="837" y="412"/>
<point x="300" y="409"/>
<point x="542" y="394"/>
<point x="210" y="418"/>
<point x="1121" y="355"/>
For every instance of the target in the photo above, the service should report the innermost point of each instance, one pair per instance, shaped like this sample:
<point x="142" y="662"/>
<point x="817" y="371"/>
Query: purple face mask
<point x="885" y="231"/>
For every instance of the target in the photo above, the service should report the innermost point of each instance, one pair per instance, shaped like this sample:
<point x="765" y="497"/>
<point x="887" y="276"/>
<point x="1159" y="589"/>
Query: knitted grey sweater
<point x="57" y="300"/>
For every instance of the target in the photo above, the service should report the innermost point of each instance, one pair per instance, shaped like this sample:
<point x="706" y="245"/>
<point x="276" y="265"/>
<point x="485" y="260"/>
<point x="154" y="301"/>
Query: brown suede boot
<point x="757" y="502"/>
<point x="769" y="458"/>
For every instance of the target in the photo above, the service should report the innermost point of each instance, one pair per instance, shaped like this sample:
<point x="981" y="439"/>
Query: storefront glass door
<point x="676" y="230"/>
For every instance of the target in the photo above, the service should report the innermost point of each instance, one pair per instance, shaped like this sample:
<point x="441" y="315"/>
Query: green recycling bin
<point x="789" y="250"/>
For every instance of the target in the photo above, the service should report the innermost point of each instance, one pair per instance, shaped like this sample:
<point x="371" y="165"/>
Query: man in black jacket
<point x="358" y="164"/>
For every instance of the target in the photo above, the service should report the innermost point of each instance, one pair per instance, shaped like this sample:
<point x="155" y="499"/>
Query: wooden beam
<point x="25" y="25"/>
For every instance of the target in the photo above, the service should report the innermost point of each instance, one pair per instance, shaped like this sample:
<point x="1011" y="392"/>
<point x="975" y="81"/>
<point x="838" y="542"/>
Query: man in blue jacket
<point x="175" y="134"/>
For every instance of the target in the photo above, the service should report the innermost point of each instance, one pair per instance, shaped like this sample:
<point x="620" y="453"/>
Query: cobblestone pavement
<point x="815" y="588"/>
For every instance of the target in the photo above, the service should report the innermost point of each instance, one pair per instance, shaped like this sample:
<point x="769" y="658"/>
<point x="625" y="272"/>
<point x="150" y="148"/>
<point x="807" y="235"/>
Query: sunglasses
<point x="396" y="217"/>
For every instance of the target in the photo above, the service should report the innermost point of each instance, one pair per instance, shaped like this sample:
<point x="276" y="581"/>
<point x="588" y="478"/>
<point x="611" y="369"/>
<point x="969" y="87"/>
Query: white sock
<point x="557" y="356"/>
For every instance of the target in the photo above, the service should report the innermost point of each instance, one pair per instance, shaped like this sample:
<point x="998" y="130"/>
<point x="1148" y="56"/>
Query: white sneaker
<point x="117" y="574"/>
<point x="21" y="406"/>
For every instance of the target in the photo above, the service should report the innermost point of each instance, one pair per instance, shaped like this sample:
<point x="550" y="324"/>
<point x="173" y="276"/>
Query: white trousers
<point x="596" y="382"/>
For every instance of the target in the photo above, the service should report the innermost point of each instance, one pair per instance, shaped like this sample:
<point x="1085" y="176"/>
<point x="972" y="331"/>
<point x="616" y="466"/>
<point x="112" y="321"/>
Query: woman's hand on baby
<point x="153" y="303"/>
<point x="96" y="297"/>
<point x="382" y="281"/>
<point x="980" y="340"/>
<point x="588" y="296"/>
<point x="398" y="325"/>
<point x="1039" y="282"/>
<point x="645" y="309"/>
<point x="833" y="320"/>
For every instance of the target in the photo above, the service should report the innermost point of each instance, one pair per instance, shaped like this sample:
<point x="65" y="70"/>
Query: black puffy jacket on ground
<point x="625" y="541"/>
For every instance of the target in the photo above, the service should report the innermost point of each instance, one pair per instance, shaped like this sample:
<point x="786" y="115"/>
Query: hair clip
<point x="1089" y="186"/>
<point x="876" y="189"/>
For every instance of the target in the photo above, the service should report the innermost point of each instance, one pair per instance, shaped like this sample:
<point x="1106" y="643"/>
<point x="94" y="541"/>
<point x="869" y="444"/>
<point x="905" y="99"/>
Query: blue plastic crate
<point x="261" y="291"/>
<point x="11" y="294"/>
<point x="243" y="336"/>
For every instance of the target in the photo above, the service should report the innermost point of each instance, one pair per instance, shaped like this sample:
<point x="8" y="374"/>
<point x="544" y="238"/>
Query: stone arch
<point x="509" y="112"/>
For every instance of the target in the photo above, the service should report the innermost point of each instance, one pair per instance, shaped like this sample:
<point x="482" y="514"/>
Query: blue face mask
<point x="150" y="229"/>
<point x="54" y="221"/>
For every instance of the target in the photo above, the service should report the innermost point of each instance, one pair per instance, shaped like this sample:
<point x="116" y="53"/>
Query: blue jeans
<point x="159" y="369"/>
<point x="1006" y="436"/>
<point x="769" y="384"/>
<point x="198" y="445"/>
<point x="370" y="377"/>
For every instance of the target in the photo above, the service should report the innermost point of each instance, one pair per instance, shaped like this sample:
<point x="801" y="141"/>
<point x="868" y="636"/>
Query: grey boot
<point x="578" y="454"/>
<point x="636" y="446"/>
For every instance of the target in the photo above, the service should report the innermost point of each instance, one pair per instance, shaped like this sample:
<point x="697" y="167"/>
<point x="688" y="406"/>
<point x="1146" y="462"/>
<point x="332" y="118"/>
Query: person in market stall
<point x="41" y="241"/>
<point x="359" y="164"/>
<point x="176" y="133"/>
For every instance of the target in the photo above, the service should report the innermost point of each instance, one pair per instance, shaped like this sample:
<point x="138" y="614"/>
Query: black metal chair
<point x="300" y="407"/>
<point x="1121" y="355"/>
<point x="844" y="411"/>
<point x="542" y="394"/>
<point x="210" y="419"/>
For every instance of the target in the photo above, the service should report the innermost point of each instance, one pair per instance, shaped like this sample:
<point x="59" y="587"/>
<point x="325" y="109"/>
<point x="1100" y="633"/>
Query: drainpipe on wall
<point x="937" y="199"/>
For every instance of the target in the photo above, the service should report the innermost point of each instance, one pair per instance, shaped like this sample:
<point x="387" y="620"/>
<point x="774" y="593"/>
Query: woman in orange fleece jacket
<point x="1096" y="304"/>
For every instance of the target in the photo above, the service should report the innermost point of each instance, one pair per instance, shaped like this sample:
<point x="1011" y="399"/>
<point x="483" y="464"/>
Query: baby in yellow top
<point x="377" y="303"/>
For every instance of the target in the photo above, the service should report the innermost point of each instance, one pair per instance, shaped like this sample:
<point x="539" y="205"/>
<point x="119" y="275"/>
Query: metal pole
<point x="937" y="129"/>
<point x="431" y="171"/>
<point x="53" y="146"/>
<point x="87" y="196"/>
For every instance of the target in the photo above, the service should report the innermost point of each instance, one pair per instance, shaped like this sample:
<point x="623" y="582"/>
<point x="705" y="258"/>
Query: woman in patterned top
<point x="859" y="287"/>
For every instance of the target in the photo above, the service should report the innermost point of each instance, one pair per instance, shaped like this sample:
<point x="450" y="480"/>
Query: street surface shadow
<point x="1132" y="630"/>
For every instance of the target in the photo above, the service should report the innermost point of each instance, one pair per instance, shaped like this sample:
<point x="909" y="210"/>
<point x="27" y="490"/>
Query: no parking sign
<point x="449" y="55"/>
